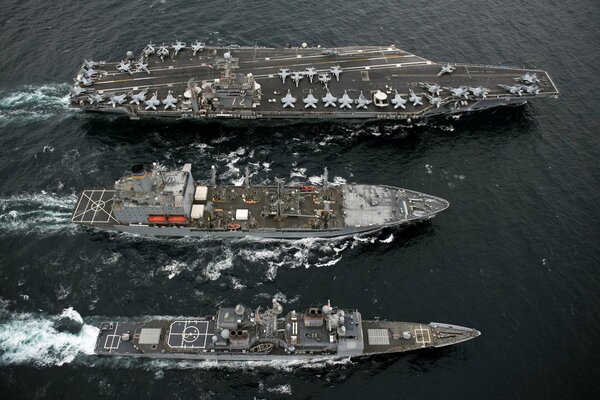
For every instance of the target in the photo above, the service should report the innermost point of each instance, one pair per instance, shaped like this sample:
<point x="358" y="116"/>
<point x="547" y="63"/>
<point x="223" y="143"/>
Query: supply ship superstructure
<point x="162" y="202"/>
<point x="241" y="334"/>
<point x="357" y="82"/>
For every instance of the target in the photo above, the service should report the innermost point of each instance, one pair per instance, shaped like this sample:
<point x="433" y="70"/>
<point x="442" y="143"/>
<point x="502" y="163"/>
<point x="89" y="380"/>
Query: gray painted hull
<point x="171" y="231"/>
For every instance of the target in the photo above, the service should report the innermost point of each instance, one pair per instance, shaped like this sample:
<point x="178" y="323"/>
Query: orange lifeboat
<point x="157" y="219"/>
<point x="177" y="219"/>
<point x="307" y="188"/>
<point x="234" y="227"/>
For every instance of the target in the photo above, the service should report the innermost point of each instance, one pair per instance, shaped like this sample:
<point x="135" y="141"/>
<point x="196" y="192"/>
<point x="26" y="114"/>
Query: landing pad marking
<point x="112" y="338"/>
<point x="95" y="204"/>
<point x="422" y="336"/>
<point x="191" y="334"/>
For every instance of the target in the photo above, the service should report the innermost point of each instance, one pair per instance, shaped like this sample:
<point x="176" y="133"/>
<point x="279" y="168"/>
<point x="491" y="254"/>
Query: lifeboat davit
<point x="177" y="219"/>
<point x="234" y="227"/>
<point x="157" y="219"/>
<point x="307" y="188"/>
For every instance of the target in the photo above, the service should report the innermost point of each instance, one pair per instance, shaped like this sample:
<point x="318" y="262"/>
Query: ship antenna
<point x="213" y="179"/>
<point x="247" y="177"/>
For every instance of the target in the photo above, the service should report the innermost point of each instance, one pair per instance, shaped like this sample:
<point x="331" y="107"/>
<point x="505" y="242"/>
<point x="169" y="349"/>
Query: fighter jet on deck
<point x="178" y="46"/>
<point x="462" y="91"/>
<point x="140" y="97"/>
<point x="329" y="100"/>
<point x="95" y="98"/>
<point x="296" y="76"/>
<point x="446" y="69"/>
<point x="162" y="52"/>
<point x="433" y="88"/>
<point x="528" y="78"/>
<point x="124" y="67"/>
<point x="531" y="89"/>
<point x="434" y="101"/>
<point x="324" y="78"/>
<point x="362" y="101"/>
<point x="142" y="67"/>
<point x="310" y="100"/>
<point x="414" y="99"/>
<point x="283" y="74"/>
<point x="198" y="46"/>
<point x="479" y="91"/>
<point x="310" y="72"/>
<point x="336" y="70"/>
<point x="514" y="89"/>
<point x="398" y="101"/>
<point x="345" y="101"/>
<point x="288" y="100"/>
<point x="149" y="49"/>
<point x="153" y="102"/>
<point x="117" y="99"/>
<point x="76" y="90"/>
<point x="170" y="101"/>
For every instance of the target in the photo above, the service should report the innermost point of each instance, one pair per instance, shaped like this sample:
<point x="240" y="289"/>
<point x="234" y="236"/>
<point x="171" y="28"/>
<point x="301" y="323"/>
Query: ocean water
<point x="516" y="255"/>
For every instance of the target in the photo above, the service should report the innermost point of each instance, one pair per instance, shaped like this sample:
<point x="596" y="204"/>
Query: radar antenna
<point x="213" y="179"/>
<point x="192" y="87"/>
<point x="247" y="179"/>
<point x="279" y="201"/>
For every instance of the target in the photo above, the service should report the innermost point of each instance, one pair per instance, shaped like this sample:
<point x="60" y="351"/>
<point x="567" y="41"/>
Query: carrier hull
<point x="247" y="83"/>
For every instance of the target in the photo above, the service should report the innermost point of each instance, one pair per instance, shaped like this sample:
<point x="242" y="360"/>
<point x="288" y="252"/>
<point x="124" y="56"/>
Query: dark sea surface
<point x="516" y="256"/>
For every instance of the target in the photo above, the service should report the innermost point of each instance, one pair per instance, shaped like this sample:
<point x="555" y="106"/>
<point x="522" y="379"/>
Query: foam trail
<point x="41" y="212"/>
<point x="33" y="102"/>
<point x="282" y="366"/>
<point x="37" y="340"/>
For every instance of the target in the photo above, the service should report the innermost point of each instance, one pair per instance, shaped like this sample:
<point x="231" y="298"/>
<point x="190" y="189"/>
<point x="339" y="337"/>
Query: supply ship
<point x="181" y="80"/>
<point x="163" y="202"/>
<point x="241" y="334"/>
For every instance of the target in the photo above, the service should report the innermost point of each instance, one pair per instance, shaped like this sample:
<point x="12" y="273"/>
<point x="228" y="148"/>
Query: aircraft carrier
<point x="193" y="80"/>
<point x="240" y="334"/>
<point x="162" y="202"/>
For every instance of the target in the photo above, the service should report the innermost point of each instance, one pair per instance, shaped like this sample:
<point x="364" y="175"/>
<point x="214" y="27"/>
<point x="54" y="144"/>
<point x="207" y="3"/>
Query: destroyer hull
<point x="375" y="338"/>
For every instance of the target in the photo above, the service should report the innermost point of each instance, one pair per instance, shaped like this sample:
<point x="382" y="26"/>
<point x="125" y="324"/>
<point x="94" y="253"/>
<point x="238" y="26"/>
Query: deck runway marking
<point x="194" y="66"/>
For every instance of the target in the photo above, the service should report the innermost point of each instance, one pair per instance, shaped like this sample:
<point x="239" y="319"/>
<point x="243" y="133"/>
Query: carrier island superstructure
<point x="163" y="202"/>
<point x="242" y="334"/>
<point x="181" y="80"/>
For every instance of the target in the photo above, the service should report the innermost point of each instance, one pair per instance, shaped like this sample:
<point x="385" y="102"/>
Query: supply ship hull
<point x="171" y="203"/>
<point x="247" y="83"/>
<point x="239" y="334"/>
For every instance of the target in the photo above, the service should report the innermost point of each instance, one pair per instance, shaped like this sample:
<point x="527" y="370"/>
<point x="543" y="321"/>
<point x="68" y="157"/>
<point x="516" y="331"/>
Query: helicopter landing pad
<point x="189" y="334"/>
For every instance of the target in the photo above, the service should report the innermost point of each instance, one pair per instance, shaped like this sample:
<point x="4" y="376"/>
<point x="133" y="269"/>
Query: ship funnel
<point x="138" y="170"/>
<point x="142" y="182"/>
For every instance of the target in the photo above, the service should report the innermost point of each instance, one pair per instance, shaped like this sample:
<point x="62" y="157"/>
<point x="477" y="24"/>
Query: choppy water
<point x="515" y="256"/>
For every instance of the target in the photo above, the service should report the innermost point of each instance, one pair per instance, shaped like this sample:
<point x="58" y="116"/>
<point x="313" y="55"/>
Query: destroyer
<point x="165" y="202"/>
<point x="370" y="82"/>
<point x="239" y="334"/>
